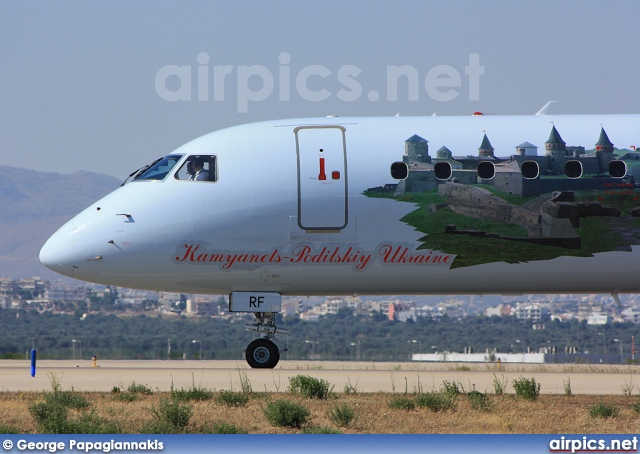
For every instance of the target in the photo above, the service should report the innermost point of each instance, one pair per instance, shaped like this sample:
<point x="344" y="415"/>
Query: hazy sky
<point x="89" y="85"/>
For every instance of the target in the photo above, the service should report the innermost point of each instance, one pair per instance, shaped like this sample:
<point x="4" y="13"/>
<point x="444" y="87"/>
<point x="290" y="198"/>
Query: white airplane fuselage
<point x="285" y="217"/>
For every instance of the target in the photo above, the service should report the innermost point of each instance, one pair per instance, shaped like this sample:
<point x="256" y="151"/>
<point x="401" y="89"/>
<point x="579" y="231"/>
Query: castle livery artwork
<point x="530" y="206"/>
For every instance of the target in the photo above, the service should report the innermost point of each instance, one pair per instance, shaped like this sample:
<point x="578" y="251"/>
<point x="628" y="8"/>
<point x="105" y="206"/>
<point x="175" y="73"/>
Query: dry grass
<point x="508" y="414"/>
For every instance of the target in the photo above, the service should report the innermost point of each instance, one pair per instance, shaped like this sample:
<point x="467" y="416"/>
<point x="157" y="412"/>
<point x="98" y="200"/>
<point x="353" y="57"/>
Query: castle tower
<point x="486" y="150"/>
<point x="526" y="149"/>
<point x="556" y="149"/>
<point x="444" y="153"/>
<point x="604" y="151"/>
<point x="417" y="149"/>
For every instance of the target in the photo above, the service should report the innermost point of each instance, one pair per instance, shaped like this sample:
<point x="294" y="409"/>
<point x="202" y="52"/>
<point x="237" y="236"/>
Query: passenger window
<point x="198" y="168"/>
<point x="530" y="170"/>
<point x="573" y="169"/>
<point x="486" y="170"/>
<point x="399" y="170"/>
<point x="442" y="170"/>
<point x="617" y="169"/>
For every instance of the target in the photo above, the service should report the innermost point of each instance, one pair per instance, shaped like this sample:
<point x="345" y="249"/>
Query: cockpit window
<point x="198" y="168"/>
<point x="157" y="170"/>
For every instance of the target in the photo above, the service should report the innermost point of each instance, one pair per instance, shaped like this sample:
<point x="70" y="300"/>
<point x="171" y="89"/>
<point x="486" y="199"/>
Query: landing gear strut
<point x="263" y="353"/>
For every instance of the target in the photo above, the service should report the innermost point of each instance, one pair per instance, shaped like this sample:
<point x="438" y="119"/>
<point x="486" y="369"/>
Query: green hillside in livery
<point x="484" y="238"/>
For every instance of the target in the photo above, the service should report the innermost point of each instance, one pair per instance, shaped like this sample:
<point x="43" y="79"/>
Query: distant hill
<point x="33" y="205"/>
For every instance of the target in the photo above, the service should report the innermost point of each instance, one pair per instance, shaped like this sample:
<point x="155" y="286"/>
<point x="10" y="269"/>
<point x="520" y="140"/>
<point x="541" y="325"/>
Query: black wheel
<point x="262" y="354"/>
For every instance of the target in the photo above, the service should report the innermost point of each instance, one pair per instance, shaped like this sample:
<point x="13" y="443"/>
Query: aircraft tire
<point x="262" y="354"/>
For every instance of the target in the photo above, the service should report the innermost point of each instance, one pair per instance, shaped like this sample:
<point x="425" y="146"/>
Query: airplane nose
<point x="57" y="254"/>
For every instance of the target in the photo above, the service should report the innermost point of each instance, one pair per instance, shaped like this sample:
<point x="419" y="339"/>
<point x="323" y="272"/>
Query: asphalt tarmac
<point x="80" y="375"/>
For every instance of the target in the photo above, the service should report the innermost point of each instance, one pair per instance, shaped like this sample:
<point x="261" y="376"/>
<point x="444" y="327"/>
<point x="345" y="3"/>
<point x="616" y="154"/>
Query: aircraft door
<point x="322" y="177"/>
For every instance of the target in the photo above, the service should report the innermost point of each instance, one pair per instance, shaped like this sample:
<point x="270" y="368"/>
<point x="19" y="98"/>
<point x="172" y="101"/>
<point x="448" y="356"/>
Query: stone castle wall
<point x="480" y="203"/>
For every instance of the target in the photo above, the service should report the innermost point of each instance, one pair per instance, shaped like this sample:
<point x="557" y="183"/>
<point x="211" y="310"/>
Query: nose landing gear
<point x="263" y="353"/>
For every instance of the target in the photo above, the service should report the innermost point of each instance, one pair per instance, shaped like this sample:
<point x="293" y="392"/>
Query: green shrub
<point x="567" y="387"/>
<point x="603" y="411"/>
<point x="636" y="407"/>
<point x="124" y="397"/>
<point x="193" y="393"/>
<point x="310" y="387"/>
<point x="245" y="384"/>
<point x="527" y="388"/>
<point x="282" y="413"/>
<point x="4" y="429"/>
<point x="175" y="413"/>
<point x="437" y="401"/>
<point x="52" y="417"/>
<point x="402" y="403"/>
<point x="453" y="388"/>
<point x="90" y="423"/>
<point x="68" y="399"/>
<point x="479" y="401"/>
<point x="138" y="388"/>
<point x="341" y="415"/>
<point x="349" y="388"/>
<point x="232" y="398"/>
<point x="499" y="385"/>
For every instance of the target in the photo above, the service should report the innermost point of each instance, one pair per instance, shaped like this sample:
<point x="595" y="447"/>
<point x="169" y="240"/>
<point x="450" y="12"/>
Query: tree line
<point x="342" y="336"/>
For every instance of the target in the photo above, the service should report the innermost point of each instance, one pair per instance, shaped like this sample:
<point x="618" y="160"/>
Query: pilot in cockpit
<point x="199" y="173"/>
<point x="190" y="170"/>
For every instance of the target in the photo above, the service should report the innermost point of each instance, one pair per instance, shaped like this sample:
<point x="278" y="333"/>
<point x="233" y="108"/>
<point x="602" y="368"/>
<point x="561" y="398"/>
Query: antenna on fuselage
<point x="617" y="299"/>
<point x="544" y="110"/>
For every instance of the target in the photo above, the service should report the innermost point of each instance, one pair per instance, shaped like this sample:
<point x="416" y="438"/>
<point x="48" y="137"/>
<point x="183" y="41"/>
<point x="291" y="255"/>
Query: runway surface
<point x="362" y="376"/>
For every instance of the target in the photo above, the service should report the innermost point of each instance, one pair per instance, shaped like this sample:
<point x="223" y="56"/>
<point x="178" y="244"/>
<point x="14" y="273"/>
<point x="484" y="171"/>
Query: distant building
<point x="379" y="306"/>
<point x="414" y="312"/>
<point x="332" y="306"/>
<point x="67" y="294"/>
<point x="586" y="308"/>
<point x="170" y="300"/>
<point x="207" y="307"/>
<point x="531" y="311"/>
<point x="355" y="304"/>
<point x="33" y="284"/>
<point x="450" y="308"/>
<point x="289" y="308"/>
<point x="631" y="314"/>
<point x="400" y="311"/>
<point x="310" y="316"/>
<point x="598" y="318"/>
<point x="501" y="310"/>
